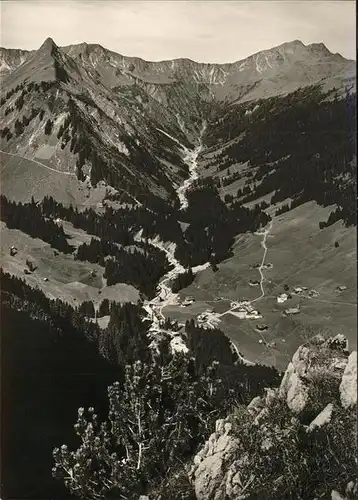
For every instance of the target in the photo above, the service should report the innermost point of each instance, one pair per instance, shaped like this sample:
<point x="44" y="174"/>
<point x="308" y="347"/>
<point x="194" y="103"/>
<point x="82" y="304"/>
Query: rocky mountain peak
<point x="48" y="45"/>
<point x="319" y="49"/>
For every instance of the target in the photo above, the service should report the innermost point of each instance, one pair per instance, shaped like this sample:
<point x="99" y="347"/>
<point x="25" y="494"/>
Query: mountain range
<point x="118" y="104"/>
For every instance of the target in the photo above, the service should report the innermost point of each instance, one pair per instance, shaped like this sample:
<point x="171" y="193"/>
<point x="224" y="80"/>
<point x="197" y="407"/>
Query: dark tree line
<point x="143" y="271"/>
<point x="50" y="369"/>
<point x="182" y="280"/>
<point x="29" y="219"/>
<point x="141" y="267"/>
<point x="209" y="235"/>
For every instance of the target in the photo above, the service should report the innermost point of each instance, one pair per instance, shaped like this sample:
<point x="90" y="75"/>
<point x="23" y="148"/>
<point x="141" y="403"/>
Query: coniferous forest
<point x="302" y="146"/>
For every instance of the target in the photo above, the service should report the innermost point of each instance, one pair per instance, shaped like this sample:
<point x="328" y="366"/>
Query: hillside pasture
<point x="22" y="178"/>
<point x="67" y="279"/>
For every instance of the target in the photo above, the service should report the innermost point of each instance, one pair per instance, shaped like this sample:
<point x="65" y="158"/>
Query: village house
<point x="291" y="311"/>
<point x="187" y="301"/>
<point x="282" y="298"/>
<point x="261" y="328"/>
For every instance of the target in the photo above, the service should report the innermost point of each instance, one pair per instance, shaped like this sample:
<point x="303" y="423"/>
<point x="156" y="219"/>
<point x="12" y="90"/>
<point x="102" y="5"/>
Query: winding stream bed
<point x="165" y="296"/>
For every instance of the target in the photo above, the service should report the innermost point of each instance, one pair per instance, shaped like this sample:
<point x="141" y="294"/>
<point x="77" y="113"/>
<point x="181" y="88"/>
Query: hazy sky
<point x="207" y="31"/>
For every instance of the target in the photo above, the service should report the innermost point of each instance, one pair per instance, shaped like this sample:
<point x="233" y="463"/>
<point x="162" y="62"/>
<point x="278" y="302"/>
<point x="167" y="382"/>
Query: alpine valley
<point x="171" y="221"/>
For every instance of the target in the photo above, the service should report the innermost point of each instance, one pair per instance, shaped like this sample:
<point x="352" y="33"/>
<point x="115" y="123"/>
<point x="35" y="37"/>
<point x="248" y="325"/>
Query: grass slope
<point x="22" y="178"/>
<point x="68" y="279"/>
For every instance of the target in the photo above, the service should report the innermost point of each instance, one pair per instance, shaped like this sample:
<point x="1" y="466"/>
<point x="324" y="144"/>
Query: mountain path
<point x="38" y="163"/>
<point x="264" y="246"/>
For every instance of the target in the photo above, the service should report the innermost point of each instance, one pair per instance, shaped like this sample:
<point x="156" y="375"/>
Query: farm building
<point x="188" y="301"/>
<point x="13" y="251"/>
<point x="261" y="328"/>
<point x="298" y="289"/>
<point x="291" y="311"/>
<point x="313" y="293"/>
<point x="282" y="298"/>
<point x="246" y="314"/>
<point x="31" y="265"/>
<point x="254" y="283"/>
<point x="341" y="288"/>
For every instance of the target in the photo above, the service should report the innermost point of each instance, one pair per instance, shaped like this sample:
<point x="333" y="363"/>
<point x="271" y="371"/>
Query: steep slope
<point x="299" y="147"/>
<point x="87" y="129"/>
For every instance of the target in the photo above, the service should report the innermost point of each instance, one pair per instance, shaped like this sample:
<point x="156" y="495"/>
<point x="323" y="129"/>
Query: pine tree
<point x="48" y="127"/>
<point x="155" y="417"/>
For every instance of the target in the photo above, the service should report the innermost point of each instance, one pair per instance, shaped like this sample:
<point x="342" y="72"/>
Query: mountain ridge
<point x="262" y="62"/>
<point x="295" y="42"/>
<point x="114" y="98"/>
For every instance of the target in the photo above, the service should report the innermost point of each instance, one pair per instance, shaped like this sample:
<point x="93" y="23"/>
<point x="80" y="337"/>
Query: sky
<point x="202" y="30"/>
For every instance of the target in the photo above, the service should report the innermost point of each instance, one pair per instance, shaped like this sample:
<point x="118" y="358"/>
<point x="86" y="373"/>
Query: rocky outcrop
<point x="309" y="363"/>
<point x="259" y="441"/>
<point x="212" y="461"/>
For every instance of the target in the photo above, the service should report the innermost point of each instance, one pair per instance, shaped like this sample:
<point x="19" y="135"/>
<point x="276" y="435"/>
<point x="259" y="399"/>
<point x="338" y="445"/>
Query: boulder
<point x="337" y="496"/>
<point x="256" y="405"/>
<point x="348" y="387"/>
<point x="293" y="389"/>
<point x="322" y="418"/>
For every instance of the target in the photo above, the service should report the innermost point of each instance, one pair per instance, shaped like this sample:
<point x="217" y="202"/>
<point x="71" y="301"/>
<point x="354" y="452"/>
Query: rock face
<point x="212" y="461"/>
<point x="320" y="382"/>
